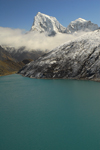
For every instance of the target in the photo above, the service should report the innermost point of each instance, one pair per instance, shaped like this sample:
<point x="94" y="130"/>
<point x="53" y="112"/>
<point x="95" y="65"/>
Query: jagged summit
<point x="50" y="25"/>
<point x="81" y="25"/>
<point x="42" y="14"/>
<point x="80" y="20"/>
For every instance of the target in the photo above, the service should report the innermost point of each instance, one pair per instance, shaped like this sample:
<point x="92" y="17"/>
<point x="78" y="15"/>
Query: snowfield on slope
<point x="77" y="59"/>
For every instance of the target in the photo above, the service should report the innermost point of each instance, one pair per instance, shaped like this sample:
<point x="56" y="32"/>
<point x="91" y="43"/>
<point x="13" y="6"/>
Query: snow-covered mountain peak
<point x="39" y="14"/>
<point x="81" y="25"/>
<point x="79" y="20"/>
<point x="48" y="24"/>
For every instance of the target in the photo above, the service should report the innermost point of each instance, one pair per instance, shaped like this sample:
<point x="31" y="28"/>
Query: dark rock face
<point x="79" y="59"/>
<point x="19" y="54"/>
<point x="26" y="61"/>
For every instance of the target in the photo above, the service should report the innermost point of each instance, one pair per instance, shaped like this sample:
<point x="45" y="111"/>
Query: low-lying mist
<point x="33" y="40"/>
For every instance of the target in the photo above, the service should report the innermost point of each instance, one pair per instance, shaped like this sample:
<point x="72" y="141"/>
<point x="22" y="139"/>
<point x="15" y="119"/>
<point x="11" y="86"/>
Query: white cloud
<point x="31" y="40"/>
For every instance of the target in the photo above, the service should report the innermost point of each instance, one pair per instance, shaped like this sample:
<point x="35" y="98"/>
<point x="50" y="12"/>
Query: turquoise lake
<point x="41" y="114"/>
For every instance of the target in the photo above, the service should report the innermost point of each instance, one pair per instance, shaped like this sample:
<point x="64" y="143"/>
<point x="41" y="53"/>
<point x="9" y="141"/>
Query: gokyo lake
<point x="48" y="114"/>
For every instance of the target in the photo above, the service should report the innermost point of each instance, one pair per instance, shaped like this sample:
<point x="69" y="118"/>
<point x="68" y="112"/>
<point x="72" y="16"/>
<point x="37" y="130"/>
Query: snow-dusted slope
<point x="45" y="23"/>
<point x="81" y="25"/>
<point x="77" y="59"/>
<point x="50" y="25"/>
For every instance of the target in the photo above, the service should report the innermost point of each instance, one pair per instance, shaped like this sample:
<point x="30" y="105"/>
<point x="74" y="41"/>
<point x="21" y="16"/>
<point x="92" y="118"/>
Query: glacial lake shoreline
<point x="79" y="79"/>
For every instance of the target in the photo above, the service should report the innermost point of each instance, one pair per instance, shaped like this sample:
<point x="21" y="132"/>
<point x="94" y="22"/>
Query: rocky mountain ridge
<point x="51" y="26"/>
<point x="78" y="59"/>
<point x="8" y="64"/>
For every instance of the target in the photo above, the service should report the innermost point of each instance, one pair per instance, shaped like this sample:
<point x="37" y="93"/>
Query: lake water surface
<point x="41" y="114"/>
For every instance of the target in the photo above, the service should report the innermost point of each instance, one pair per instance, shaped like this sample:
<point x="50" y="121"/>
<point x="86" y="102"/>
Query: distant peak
<point x="81" y="20"/>
<point x="39" y="13"/>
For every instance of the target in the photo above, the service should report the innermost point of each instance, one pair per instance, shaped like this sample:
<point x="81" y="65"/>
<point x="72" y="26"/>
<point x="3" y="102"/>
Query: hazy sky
<point x="20" y="13"/>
